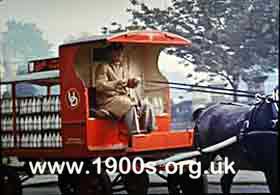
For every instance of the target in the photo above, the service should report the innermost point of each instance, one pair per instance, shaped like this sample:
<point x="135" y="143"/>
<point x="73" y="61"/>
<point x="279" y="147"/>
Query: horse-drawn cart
<point x="64" y="127"/>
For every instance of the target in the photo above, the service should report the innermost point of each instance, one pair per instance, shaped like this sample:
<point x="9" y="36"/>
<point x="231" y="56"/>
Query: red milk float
<point x="64" y="127"/>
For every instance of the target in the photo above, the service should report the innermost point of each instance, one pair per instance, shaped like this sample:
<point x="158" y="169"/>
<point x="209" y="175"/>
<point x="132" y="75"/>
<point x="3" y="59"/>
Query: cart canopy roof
<point x="41" y="78"/>
<point x="138" y="37"/>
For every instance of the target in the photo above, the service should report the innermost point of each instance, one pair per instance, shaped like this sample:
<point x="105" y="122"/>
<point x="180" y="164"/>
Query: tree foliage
<point x="231" y="38"/>
<point x="19" y="44"/>
<point x="22" y="42"/>
<point x="80" y="36"/>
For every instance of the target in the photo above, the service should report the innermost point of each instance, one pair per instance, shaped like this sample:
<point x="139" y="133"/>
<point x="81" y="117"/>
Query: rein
<point x="201" y="88"/>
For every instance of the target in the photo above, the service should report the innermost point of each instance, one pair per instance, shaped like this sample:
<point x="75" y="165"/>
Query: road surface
<point x="242" y="185"/>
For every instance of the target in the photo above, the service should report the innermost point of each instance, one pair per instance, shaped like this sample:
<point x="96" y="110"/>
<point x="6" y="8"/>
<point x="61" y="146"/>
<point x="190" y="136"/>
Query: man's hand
<point x="120" y="86"/>
<point x="121" y="83"/>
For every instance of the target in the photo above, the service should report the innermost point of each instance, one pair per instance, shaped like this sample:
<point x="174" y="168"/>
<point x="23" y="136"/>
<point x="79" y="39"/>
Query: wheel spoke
<point x="95" y="184"/>
<point x="10" y="183"/>
<point x="136" y="184"/>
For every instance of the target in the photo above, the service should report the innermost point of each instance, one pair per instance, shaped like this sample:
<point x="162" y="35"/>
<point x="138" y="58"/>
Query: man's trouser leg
<point x="132" y="122"/>
<point x="148" y="117"/>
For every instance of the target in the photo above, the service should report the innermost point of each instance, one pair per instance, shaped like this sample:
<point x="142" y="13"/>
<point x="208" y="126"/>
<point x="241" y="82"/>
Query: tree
<point x="23" y="42"/>
<point x="228" y="36"/>
<point x="118" y="28"/>
<point x="82" y="35"/>
<point x="1" y="71"/>
<point x="19" y="44"/>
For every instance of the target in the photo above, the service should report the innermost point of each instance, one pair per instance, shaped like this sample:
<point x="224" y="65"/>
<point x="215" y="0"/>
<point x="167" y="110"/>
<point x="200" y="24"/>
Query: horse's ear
<point x="270" y="99"/>
<point x="197" y="112"/>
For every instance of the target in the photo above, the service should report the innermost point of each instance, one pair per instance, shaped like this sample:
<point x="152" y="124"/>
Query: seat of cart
<point x="141" y="51"/>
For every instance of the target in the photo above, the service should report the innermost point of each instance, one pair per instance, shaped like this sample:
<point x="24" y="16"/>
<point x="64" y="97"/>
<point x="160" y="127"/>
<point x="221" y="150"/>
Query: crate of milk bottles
<point x="38" y="122"/>
<point x="7" y="122"/>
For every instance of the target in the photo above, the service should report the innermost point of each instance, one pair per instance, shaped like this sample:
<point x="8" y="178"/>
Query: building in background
<point x="271" y="82"/>
<point x="203" y="98"/>
<point x="181" y="114"/>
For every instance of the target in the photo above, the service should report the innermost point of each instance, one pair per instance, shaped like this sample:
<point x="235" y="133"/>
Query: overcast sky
<point x="59" y="19"/>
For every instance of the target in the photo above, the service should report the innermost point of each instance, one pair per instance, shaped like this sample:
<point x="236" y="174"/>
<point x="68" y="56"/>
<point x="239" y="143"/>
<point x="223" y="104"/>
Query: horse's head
<point x="264" y="114"/>
<point x="197" y="111"/>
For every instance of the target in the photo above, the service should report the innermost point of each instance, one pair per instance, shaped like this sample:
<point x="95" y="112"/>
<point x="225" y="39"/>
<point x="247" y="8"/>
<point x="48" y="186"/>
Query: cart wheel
<point x="136" y="184"/>
<point x="196" y="186"/>
<point x="10" y="183"/>
<point x="68" y="184"/>
<point x="173" y="184"/>
<point x="95" y="184"/>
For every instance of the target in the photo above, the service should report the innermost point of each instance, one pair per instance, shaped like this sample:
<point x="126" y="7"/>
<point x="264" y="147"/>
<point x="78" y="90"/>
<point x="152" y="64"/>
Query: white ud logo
<point x="73" y="98"/>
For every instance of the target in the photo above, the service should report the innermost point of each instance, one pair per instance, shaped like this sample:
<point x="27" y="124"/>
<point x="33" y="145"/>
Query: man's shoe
<point x="134" y="132"/>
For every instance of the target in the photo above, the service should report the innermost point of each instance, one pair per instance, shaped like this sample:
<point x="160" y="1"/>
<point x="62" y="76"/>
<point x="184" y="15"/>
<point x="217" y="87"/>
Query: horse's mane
<point x="233" y="104"/>
<point x="202" y="111"/>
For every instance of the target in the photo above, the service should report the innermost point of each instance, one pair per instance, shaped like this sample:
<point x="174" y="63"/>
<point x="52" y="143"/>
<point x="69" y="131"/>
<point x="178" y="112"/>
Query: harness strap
<point x="263" y="132"/>
<point x="243" y="131"/>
